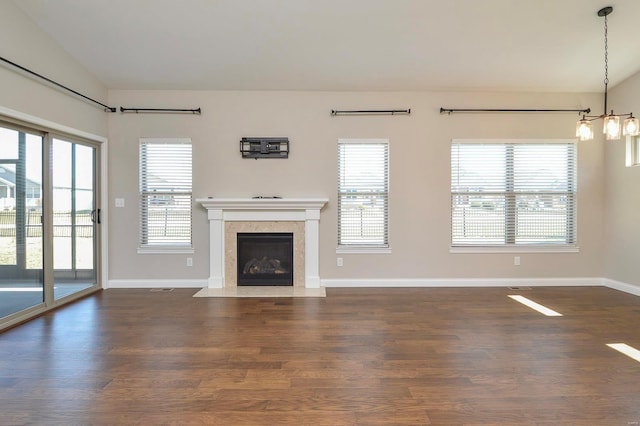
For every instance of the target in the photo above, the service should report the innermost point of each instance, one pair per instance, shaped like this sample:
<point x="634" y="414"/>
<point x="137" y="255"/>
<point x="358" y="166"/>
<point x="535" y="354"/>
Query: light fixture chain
<point x="606" y="52"/>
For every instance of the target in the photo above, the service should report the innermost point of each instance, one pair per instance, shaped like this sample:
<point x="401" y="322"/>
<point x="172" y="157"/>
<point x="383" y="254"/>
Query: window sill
<point x="363" y="250"/>
<point x="166" y="250"/>
<point x="516" y="249"/>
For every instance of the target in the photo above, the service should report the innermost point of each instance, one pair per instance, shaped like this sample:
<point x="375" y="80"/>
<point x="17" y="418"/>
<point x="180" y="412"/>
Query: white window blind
<point x="165" y="193"/>
<point x="363" y="193"/>
<point x="513" y="193"/>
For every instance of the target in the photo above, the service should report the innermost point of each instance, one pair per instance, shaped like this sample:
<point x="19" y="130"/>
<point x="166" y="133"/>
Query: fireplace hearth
<point x="265" y="258"/>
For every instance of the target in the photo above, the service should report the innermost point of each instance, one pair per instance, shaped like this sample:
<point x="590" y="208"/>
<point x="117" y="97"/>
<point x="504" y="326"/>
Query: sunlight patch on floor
<point x="623" y="348"/>
<point x="535" y="306"/>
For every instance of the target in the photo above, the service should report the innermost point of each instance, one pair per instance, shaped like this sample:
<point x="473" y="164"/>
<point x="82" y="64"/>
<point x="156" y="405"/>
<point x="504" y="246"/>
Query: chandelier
<point x="611" y="122"/>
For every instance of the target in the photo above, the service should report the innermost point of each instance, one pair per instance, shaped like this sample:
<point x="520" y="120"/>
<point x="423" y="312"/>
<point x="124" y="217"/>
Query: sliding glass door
<point x="21" y="236"/>
<point x="49" y="220"/>
<point x="75" y="217"/>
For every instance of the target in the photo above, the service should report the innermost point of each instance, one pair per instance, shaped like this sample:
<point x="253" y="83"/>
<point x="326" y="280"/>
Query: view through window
<point x="165" y="193"/>
<point x="363" y="193"/>
<point x="513" y="193"/>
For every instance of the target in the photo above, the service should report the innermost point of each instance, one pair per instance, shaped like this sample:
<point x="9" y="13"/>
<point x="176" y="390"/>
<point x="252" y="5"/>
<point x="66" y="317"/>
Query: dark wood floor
<point x="358" y="357"/>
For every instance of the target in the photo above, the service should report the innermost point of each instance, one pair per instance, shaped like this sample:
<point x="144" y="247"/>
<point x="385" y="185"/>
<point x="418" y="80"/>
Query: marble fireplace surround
<point x="228" y="216"/>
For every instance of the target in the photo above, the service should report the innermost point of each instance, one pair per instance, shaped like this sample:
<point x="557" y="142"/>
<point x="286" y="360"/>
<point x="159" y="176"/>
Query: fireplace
<point x="229" y="216"/>
<point x="265" y="258"/>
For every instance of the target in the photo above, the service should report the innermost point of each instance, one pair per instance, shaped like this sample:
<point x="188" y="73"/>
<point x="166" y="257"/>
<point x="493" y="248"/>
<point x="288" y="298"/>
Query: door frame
<point x="50" y="129"/>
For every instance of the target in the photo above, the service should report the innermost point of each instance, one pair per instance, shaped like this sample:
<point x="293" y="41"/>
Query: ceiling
<point x="505" y="45"/>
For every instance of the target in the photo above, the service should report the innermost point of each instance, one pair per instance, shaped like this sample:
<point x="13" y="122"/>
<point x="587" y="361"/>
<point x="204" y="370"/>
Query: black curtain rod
<point x="55" y="83"/>
<point x="372" y="112"/>
<point x="452" y="110"/>
<point x="167" y="110"/>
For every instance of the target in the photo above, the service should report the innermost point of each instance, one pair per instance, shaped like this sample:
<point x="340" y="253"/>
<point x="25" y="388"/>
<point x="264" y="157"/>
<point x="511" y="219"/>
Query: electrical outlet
<point x="339" y="261"/>
<point x="189" y="261"/>
<point x="119" y="202"/>
<point x="516" y="260"/>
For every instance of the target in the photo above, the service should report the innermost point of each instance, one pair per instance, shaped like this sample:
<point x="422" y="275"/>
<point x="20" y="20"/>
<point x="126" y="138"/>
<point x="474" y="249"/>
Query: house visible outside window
<point x="363" y="194"/>
<point x="513" y="194"/>
<point x="165" y="195"/>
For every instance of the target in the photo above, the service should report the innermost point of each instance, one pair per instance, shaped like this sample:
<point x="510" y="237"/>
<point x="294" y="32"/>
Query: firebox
<point x="265" y="258"/>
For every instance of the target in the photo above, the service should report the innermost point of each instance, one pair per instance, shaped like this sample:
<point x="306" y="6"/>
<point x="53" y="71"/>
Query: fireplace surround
<point x="230" y="216"/>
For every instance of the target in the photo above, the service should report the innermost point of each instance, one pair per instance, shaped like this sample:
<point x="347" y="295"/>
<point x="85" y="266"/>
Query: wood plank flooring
<point x="366" y="356"/>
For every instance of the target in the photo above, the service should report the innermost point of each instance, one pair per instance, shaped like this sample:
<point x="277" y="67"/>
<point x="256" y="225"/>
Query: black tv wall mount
<point x="264" y="147"/>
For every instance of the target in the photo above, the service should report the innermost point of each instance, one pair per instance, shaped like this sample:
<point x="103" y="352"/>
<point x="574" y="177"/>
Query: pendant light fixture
<point x="611" y="122"/>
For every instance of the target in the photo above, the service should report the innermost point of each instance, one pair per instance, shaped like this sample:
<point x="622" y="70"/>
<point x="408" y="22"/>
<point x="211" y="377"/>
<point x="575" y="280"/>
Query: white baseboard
<point x="463" y="282"/>
<point x="627" y="288"/>
<point x="401" y="282"/>
<point x="157" y="283"/>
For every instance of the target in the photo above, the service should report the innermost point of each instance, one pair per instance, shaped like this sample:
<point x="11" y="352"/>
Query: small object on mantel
<point x="271" y="197"/>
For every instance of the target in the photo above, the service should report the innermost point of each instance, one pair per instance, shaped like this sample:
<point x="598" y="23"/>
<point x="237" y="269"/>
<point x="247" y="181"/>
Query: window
<point x="514" y="193"/>
<point x="363" y="193"/>
<point x="633" y="151"/>
<point x="165" y="195"/>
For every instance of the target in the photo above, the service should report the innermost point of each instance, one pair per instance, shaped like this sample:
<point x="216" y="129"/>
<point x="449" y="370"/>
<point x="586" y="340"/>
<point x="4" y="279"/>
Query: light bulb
<point x="584" y="130"/>
<point x="611" y="127"/>
<point x="631" y="127"/>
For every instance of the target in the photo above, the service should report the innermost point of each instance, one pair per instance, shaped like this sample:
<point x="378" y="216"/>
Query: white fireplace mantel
<point x="221" y="210"/>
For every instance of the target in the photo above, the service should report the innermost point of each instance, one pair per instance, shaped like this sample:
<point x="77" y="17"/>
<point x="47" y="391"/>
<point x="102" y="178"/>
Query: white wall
<point x="24" y="43"/>
<point x="419" y="174"/>
<point x="623" y="196"/>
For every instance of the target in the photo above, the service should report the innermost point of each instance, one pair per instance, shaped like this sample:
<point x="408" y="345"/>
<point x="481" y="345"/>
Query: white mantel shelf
<point x="263" y="203"/>
<point x="221" y="210"/>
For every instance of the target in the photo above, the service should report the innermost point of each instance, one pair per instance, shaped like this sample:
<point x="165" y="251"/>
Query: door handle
<point x="95" y="216"/>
